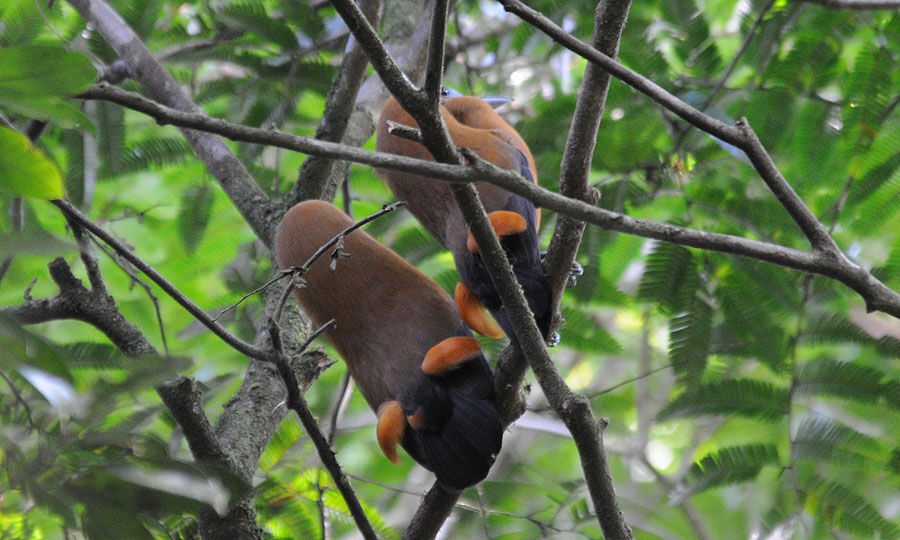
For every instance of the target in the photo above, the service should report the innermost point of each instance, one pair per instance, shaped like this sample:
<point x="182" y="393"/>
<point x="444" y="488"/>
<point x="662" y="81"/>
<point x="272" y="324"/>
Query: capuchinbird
<point x="473" y="124"/>
<point x="414" y="360"/>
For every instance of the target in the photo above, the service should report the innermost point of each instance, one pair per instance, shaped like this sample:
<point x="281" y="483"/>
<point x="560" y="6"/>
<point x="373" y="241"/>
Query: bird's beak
<point x="496" y="101"/>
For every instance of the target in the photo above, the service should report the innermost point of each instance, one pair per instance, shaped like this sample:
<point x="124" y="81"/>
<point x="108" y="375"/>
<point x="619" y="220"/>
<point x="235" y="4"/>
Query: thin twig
<point x="19" y="398"/>
<point x="339" y="405"/>
<point x="434" y="68"/>
<point x="301" y="270"/>
<point x="297" y="404"/>
<point x="877" y="295"/>
<point x="241" y="346"/>
<point x="143" y="284"/>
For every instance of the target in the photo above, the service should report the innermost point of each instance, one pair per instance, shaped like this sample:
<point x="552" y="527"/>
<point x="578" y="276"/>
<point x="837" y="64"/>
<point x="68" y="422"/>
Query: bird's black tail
<point x="462" y="431"/>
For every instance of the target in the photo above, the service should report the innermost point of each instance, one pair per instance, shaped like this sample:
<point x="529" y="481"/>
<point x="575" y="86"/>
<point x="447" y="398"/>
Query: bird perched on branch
<point x="414" y="360"/>
<point x="473" y="124"/>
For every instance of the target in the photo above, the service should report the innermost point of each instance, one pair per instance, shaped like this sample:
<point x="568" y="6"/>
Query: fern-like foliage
<point x="670" y="277"/>
<point x="822" y="439"/>
<point x="743" y="397"/>
<point x="252" y="16"/>
<point x="868" y="87"/>
<point x="841" y="507"/>
<point x="827" y="376"/>
<point x="21" y="22"/>
<point x="689" y="339"/>
<point x="193" y="214"/>
<point x="285" y="512"/>
<point x="153" y="152"/>
<point x="731" y="465"/>
<point x="837" y="328"/>
<point x="583" y="333"/>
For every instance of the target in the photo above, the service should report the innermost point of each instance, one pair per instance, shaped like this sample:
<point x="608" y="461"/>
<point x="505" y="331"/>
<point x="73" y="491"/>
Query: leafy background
<point x="744" y="400"/>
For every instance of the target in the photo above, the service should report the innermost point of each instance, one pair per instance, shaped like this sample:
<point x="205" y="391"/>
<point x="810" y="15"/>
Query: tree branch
<point x="878" y="296"/>
<point x="609" y="22"/>
<point x="237" y="183"/>
<point x="297" y="404"/>
<point x="856" y="4"/>
<point x="740" y="135"/>
<point x="244" y="348"/>
<point x="315" y="181"/>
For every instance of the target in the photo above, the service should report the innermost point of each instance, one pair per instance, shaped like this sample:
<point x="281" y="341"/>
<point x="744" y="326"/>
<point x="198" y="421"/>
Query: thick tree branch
<point x="243" y="191"/>
<point x="244" y="348"/>
<point x="609" y="22"/>
<point x="315" y="181"/>
<point x="99" y="309"/>
<point x="740" y="135"/>
<point x="253" y="414"/>
<point x="878" y="296"/>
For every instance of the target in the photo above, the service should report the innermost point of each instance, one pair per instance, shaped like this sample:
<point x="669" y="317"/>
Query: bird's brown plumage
<point x="473" y="124"/>
<point x="388" y="316"/>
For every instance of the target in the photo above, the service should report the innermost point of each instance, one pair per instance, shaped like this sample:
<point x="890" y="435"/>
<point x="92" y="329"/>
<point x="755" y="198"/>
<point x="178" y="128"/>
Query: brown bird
<point x="414" y="360"/>
<point x="474" y="124"/>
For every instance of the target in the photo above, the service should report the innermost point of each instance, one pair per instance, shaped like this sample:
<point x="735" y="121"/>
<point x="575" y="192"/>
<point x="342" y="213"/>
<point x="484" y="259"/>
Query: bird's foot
<point x="575" y="271"/>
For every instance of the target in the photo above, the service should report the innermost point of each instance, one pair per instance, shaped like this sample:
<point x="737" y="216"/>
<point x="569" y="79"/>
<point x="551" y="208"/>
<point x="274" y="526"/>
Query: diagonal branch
<point x="241" y="346"/>
<point x="740" y="135"/>
<point x="315" y="181"/>
<point x="221" y="162"/>
<point x="877" y="295"/>
<point x="296" y="403"/>
<point x="574" y="411"/>
<point x="574" y="181"/>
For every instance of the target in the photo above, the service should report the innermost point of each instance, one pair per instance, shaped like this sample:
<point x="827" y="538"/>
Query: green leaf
<point x="122" y="493"/>
<point x="93" y="355"/>
<point x="837" y="328"/>
<point x="35" y="78"/>
<point x="670" y="277"/>
<point x="742" y="397"/>
<point x="150" y="371"/>
<point x="848" y="380"/>
<point x="284" y="510"/>
<point x="253" y="16"/>
<point x="33" y="241"/>
<point x="689" y="339"/>
<point x="879" y="207"/>
<point x="25" y="171"/>
<point x="196" y="205"/>
<point x="885" y="147"/>
<point x="583" y="333"/>
<point x="21" y="22"/>
<point x="22" y="348"/>
<point x="731" y="465"/>
<point x="43" y="69"/>
<point x="288" y="433"/>
<point x="841" y="507"/>
<point x="822" y="439"/>
<point x="153" y="152"/>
